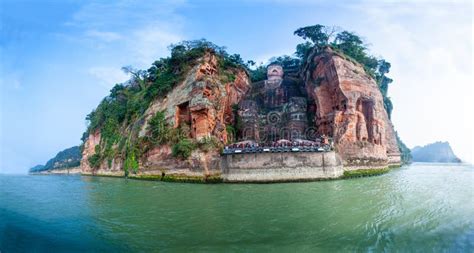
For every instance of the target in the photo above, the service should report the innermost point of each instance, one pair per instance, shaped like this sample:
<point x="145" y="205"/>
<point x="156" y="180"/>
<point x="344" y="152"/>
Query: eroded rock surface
<point x="349" y="108"/>
<point x="203" y="103"/>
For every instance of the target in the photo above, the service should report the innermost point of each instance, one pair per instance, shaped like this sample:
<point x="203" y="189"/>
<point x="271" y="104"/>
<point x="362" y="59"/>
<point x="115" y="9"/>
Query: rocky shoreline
<point x="217" y="178"/>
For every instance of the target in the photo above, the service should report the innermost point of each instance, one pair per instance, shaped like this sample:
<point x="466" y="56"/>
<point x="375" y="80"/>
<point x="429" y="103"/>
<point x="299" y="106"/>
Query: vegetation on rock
<point x="350" y="45"/>
<point x="158" y="128"/>
<point x="406" y="155"/>
<point x="68" y="158"/>
<point x="119" y="116"/>
<point x="364" y="172"/>
<point x="95" y="159"/>
<point x="183" y="148"/>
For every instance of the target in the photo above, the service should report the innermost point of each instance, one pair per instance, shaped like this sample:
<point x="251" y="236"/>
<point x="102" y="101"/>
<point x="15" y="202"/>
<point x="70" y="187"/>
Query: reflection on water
<point x="423" y="206"/>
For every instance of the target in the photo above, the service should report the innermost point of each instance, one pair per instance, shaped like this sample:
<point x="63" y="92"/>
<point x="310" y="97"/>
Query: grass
<point x="364" y="173"/>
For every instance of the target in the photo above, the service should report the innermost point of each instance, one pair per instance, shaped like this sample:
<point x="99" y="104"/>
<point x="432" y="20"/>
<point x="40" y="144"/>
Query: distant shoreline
<point x="67" y="171"/>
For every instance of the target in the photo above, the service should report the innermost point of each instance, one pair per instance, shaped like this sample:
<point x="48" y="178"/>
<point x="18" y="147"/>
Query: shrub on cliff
<point x="94" y="160"/>
<point x="130" y="163"/>
<point x="209" y="143"/>
<point x="158" y="128"/>
<point x="258" y="74"/>
<point x="287" y="62"/>
<point x="183" y="148"/>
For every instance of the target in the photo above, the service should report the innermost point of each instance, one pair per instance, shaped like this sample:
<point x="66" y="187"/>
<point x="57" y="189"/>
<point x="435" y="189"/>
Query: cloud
<point x="123" y="33"/>
<point x="149" y="43"/>
<point x="103" y="36"/>
<point x="130" y="32"/>
<point x="124" y="14"/>
<point x="107" y="76"/>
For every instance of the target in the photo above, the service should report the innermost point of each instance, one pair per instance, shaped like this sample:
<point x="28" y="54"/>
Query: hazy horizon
<point x="60" y="58"/>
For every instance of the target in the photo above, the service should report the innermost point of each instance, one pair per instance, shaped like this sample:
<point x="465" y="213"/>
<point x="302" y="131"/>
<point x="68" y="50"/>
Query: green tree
<point x="383" y="67"/>
<point x="352" y="45"/>
<point x="287" y="62"/>
<point x="316" y="33"/>
<point x="116" y="91"/>
<point x="303" y="50"/>
<point x="138" y="76"/>
<point x="258" y="74"/>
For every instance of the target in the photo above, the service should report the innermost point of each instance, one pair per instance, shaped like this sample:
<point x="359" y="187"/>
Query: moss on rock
<point x="180" y="178"/>
<point x="364" y="172"/>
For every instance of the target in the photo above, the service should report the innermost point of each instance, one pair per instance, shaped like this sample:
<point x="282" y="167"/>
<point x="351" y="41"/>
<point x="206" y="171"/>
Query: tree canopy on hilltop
<point x="350" y="44"/>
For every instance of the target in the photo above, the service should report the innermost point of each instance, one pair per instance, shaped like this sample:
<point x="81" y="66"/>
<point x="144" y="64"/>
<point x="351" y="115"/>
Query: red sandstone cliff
<point x="347" y="102"/>
<point x="203" y="101"/>
<point x="349" y="107"/>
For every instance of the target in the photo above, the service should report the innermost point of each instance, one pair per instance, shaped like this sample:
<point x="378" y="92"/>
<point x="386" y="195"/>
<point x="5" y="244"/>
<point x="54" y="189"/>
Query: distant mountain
<point x="37" y="168"/>
<point x="67" y="158"/>
<point x="438" y="152"/>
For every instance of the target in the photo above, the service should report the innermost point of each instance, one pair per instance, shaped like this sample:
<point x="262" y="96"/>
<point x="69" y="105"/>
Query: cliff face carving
<point x="346" y="103"/>
<point x="203" y="103"/>
<point x="349" y="107"/>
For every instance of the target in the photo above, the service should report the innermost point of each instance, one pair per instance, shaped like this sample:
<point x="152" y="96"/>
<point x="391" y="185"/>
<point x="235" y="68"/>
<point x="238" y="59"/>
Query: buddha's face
<point x="274" y="71"/>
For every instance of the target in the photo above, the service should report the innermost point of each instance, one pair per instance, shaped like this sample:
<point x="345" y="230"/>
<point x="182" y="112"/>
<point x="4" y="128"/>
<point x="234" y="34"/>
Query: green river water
<point x="421" y="207"/>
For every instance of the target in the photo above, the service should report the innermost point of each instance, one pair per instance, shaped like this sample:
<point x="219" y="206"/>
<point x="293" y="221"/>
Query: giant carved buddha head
<point x="274" y="71"/>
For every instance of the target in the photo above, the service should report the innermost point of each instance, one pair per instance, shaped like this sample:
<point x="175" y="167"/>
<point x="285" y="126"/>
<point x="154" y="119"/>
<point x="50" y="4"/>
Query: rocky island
<point x="205" y="115"/>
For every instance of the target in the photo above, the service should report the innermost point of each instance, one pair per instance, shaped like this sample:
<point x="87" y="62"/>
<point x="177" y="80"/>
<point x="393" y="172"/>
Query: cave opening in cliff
<point x="200" y="126"/>
<point x="183" y="113"/>
<point x="366" y="107"/>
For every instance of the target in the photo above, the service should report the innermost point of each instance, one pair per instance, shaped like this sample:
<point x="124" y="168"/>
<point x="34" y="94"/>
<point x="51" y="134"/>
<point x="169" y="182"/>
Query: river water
<point x="421" y="207"/>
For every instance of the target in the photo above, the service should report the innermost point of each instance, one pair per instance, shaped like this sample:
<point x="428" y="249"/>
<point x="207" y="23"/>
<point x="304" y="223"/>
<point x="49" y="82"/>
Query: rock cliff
<point x="349" y="108"/>
<point x="201" y="104"/>
<point x="204" y="103"/>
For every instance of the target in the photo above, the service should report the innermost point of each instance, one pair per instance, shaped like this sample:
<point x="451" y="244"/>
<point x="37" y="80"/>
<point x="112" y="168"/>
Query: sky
<point x="58" y="59"/>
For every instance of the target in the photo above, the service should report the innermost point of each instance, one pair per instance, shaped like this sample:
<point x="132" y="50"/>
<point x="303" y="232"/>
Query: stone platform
<point x="286" y="166"/>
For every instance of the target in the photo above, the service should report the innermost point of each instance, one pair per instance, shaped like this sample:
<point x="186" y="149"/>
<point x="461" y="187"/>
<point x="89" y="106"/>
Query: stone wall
<point x="272" y="167"/>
